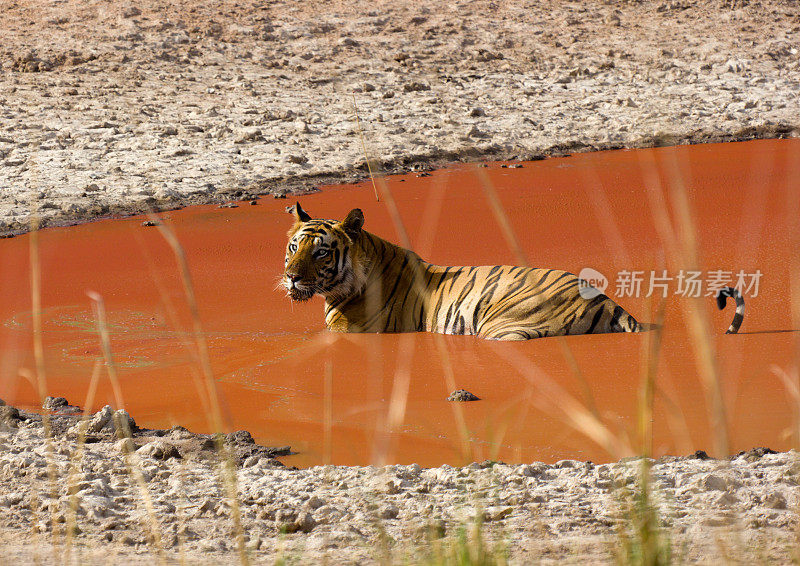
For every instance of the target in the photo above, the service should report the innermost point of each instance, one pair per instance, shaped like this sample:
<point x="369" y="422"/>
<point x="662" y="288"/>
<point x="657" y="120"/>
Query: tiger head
<point x="321" y="257"/>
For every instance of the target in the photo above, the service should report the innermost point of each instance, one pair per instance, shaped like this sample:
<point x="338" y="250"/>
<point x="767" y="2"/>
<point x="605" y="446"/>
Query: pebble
<point x="462" y="395"/>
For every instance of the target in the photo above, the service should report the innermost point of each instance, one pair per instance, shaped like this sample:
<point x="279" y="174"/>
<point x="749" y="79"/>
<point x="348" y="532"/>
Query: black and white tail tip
<point x="722" y="297"/>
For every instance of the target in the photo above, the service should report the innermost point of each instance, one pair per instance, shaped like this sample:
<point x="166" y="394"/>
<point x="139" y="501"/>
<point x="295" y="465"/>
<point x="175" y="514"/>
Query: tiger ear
<point x="353" y="222"/>
<point x="300" y="215"/>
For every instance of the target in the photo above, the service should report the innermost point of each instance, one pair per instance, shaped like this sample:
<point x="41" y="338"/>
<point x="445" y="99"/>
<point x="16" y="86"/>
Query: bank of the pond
<point x="108" y="110"/>
<point x="159" y="495"/>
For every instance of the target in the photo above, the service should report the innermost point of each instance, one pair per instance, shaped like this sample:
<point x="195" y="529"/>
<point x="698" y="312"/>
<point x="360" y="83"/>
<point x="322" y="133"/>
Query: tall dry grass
<point x="641" y="539"/>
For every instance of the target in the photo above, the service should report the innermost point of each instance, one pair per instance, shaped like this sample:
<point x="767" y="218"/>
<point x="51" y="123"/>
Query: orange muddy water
<point x="362" y="399"/>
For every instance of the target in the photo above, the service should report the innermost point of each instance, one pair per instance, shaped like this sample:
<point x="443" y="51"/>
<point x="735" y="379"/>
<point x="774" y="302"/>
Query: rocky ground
<point x="107" y="108"/>
<point x="110" y="108"/>
<point x="167" y="495"/>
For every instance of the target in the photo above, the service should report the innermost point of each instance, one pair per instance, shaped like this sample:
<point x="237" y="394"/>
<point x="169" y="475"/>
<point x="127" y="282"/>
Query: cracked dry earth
<point x="109" y="108"/>
<point x="163" y="494"/>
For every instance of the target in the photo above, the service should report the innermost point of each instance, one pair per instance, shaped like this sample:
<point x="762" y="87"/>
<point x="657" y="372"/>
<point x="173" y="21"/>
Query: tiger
<point x="372" y="285"/>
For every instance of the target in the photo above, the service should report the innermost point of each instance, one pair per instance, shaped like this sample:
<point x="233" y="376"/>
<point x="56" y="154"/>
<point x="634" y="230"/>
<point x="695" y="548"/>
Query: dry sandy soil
<point x="109" y="108"/>
<point x="166" y="494"/>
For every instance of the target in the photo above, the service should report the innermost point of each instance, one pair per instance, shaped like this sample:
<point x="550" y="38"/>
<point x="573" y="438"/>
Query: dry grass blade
<point x="699" y="325"/>
<point x="38" y="352"/>
<point x="77" y="458"/>
<point x="579" y="377"/>
<point x="228" y="470"/>
<point x="554" y="399"/>
<point x="791" y="382"/>
<point x="394" y="213"/>
<point x="198" y="334"/>
<point x="99" y="308"/>
<point x="328" y="414"/>
<point x="398" y="401"/>
<point x="651" y="350"/>
<point x="681" y="247"/>
<point x="364" y="148"/>
<point x="183" y="336"/>
<point x="122" y="428"/>
<point x="501" y="216"/>
<point x="606" y="219"/>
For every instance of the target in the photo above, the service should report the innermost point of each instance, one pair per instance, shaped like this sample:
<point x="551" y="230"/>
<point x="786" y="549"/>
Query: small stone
<point x="775" y="501"/>
<point x="498" y="513"/>
<point x="755" y="454"/>
<point x="315" y="502"/>
<point x="159" y="450"/>
<point x="388" y="512"/>
<point x="54" y="403"/>
<point x="122" y="423"/>
<point x="100" y="419"/>
<point x="415" y="86"/>
<point x="180" y="433"/>
<point x="306" y="522"/>
<point x="735" y="66"/>
<point x="462" y="395"/>
<point x="125" y="446"/>
<point x="58" y="405"/>
<point x="301" y="127"/>
<point x="474" y="132"/>
<point x="11" y="500"/>
<point x="433" y="530"/>
<point x="477" y="112"/>
<point x="713" y="482"/>
<point x="205" y="507"/>
<point x="249" y="134"/>
<point x="241" y="437"/>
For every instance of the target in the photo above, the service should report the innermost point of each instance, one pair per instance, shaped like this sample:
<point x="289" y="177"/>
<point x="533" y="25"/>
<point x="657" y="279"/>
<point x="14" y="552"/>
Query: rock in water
<point x="462" y="395"/>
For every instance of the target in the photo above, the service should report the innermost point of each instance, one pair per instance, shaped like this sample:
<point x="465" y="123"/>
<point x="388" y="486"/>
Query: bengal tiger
<point x="371" y="285"/>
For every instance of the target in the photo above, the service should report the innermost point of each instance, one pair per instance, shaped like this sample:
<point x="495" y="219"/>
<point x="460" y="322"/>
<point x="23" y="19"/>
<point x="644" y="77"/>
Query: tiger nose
<point x="294" y="277"/>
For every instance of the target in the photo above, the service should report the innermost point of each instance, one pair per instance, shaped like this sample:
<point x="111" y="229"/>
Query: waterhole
<point x="631" y="220"/>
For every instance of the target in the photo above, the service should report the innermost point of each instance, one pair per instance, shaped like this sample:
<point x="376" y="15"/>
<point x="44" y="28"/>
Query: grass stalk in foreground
<point x="77" y="460"/>
<point x="228" y="472"/>
<point x="680" y="242"/>
<point x="40" y="376"/>
<point x="123" y="430"/>
<point x="364" y="148"/>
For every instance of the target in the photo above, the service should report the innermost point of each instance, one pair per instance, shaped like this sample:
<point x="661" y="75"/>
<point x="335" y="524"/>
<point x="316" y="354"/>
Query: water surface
<point x="288" y="381"/>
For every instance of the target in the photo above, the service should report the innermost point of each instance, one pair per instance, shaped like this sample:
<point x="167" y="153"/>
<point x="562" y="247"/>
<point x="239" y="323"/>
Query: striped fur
<point x="738" y="317"/>
<point x="371" y="285"/>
